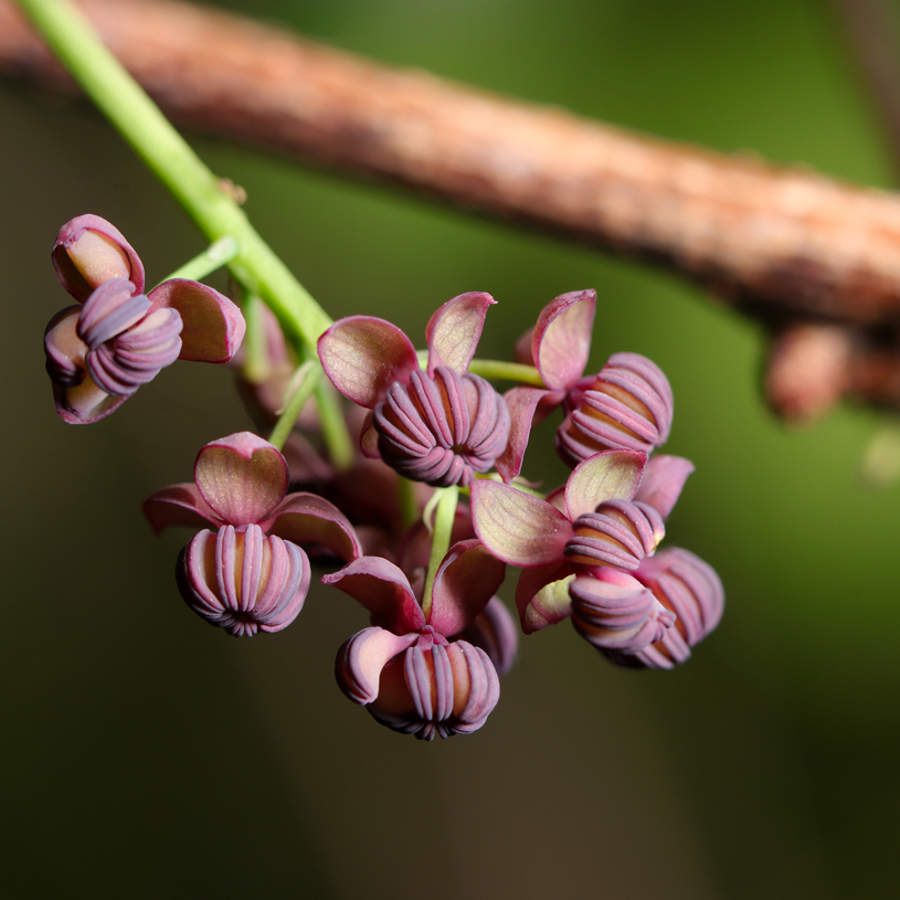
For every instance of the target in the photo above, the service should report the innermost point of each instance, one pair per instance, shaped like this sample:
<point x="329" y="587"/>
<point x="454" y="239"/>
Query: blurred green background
<point x="149" y="756"/>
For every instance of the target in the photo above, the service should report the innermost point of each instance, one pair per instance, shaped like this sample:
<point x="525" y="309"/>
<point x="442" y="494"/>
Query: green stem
<point x="508" y="371"/>
<point x="444" y="516"/>
<point x="195" y="187"/>
<point x="213" y="257"/>
<point x="409" y="506"/>
<point x="257" y="365"/>
<point x="334" y="426"/>
<point x="299" y="391"/>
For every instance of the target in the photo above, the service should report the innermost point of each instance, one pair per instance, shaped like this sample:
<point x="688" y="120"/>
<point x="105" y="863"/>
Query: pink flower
<point x="692" y="591"/>
<point x="626" y="406"/>
<point x="412" y="671"/>
<point x="249" y="574"/>
<point x="585" y="538"/>
<point x="439" y="426"/>
<point x="100" y="352"/>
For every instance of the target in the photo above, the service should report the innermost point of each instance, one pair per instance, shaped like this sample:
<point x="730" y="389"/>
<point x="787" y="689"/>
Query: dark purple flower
<point x="607" y="520"/>
<point x="688" y="587"/>
<point x="439" y="426"/>
<point x="411" y="670"/>
<point x="250" y="573"/>
<point x="628" y="406"/>
<point x="100" y="352"/>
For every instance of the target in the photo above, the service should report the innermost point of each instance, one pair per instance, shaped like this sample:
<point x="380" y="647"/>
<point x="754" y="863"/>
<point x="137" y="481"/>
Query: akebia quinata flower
<point x="691" y="590"/>
<point x="248" y="573"/>
<point x="440" y="426"/>
<point x="101" y="351"/>
<point x="411" y="670"/>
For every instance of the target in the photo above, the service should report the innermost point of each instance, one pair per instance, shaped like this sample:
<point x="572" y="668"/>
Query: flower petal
<point x="466" y="579"/>
<point x="542" y="596"/>
<point x="361" y="658"/>
<point x="522" y="402"/>
<point x="494" y="630"/>
<point x="608" y="475"/>
<point x="663" y="480"/>
<point x="84" y="403"/>
<point x="518" y="528"/>
<point x="179" y="504"/>
<point x="561" y="342"/>
<point x="88" y="250"/>
<point x="383" y="589"/>
<point x="454" y="330"/>
<point x="363" y="356"/>
<point x="242" y="477"/>
<point x="213" y="326"/>
<point x="309" y="519"/>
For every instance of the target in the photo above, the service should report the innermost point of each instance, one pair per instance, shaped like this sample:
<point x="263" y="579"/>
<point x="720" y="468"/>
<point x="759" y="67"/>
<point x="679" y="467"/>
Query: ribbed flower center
<point x="441" y="429"/>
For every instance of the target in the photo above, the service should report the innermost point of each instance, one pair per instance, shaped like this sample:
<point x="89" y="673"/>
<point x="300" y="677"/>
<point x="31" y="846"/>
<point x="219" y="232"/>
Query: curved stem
<point x="257" y="366"/>
<point x="163" y="149"/>
<point x="216" y="255"/>
<point x="299" y="391"/>
<point x="444" y="515"/>
<point x="508" y="371"/>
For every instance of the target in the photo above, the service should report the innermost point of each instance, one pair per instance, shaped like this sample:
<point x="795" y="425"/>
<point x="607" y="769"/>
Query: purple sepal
<point x="384" y="590"/>
<point x="88" y="251"/>
<point x="364" y="355"/>
<point x="362" y="657"/>
<point x="242" y="477"/>
<point x="305" y="518"/>
<point x="454" y="329"/>
<point x="561" y="340"/>
<point x="663" y="481"/>
<point x="614" y="611"/>
<point x="213" y="326"/>
<point x="244" y="581"/>
<point x="466" y="579"/>
<point x="522" y="403"/>
<point x="179" y="504"/>
<point x="611" y="475"/>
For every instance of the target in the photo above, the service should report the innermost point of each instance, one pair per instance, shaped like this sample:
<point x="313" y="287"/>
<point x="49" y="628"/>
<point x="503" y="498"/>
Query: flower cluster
<point x="420" y="526"/>
<point x="100" y="351"/>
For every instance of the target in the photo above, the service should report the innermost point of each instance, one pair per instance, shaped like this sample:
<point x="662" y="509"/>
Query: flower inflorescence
<point x="421" y="526"/>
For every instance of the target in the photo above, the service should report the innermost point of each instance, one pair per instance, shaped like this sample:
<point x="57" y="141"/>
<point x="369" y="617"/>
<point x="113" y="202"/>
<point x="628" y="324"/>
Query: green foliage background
<point x="148" y="756"/>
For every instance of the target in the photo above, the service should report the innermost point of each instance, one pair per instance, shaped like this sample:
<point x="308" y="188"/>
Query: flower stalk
<point x="444" y="514"/>
<point x="216" y="255"/>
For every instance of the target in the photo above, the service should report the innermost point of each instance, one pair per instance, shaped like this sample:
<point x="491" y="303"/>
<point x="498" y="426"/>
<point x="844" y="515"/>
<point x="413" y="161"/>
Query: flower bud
<point x="244" y="580"/>
<point x="441" y="430"/>
<point x="627" y="407"/>
<point x="89" y="251"/>
<point x="613" y="611"/>
<point x="692" y="590"/>
<point x="620" y="533"/>
<point x="435" y="689"/>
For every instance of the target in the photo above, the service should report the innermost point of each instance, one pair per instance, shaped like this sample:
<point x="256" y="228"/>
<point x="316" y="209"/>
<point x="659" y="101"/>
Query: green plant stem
<point x="409" y="507"/>
<point x="255" y="265"/>
<point x="169" y="156"/>
<point x="508" y="371"/>
<point x="444" y="515"/>
<point x="216" y="255"/>
<point x="257" y="366"/>
<point x="299" y="391"/>
<point x="337" y="438"/>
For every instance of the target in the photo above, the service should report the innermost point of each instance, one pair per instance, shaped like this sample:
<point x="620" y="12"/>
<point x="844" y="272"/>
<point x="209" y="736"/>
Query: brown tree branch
<point x="784" y="243"/>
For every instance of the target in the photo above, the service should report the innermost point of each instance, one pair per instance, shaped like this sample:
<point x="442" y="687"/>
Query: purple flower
<point x="584" y="538"/>
<point x="626" y="406"/>
<point x="439" y="426"/>
<point x="100" y="352"/>
<point x="249" y="574"/>
<point x="692" y="591"/>
<point x="412" y="671"/>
